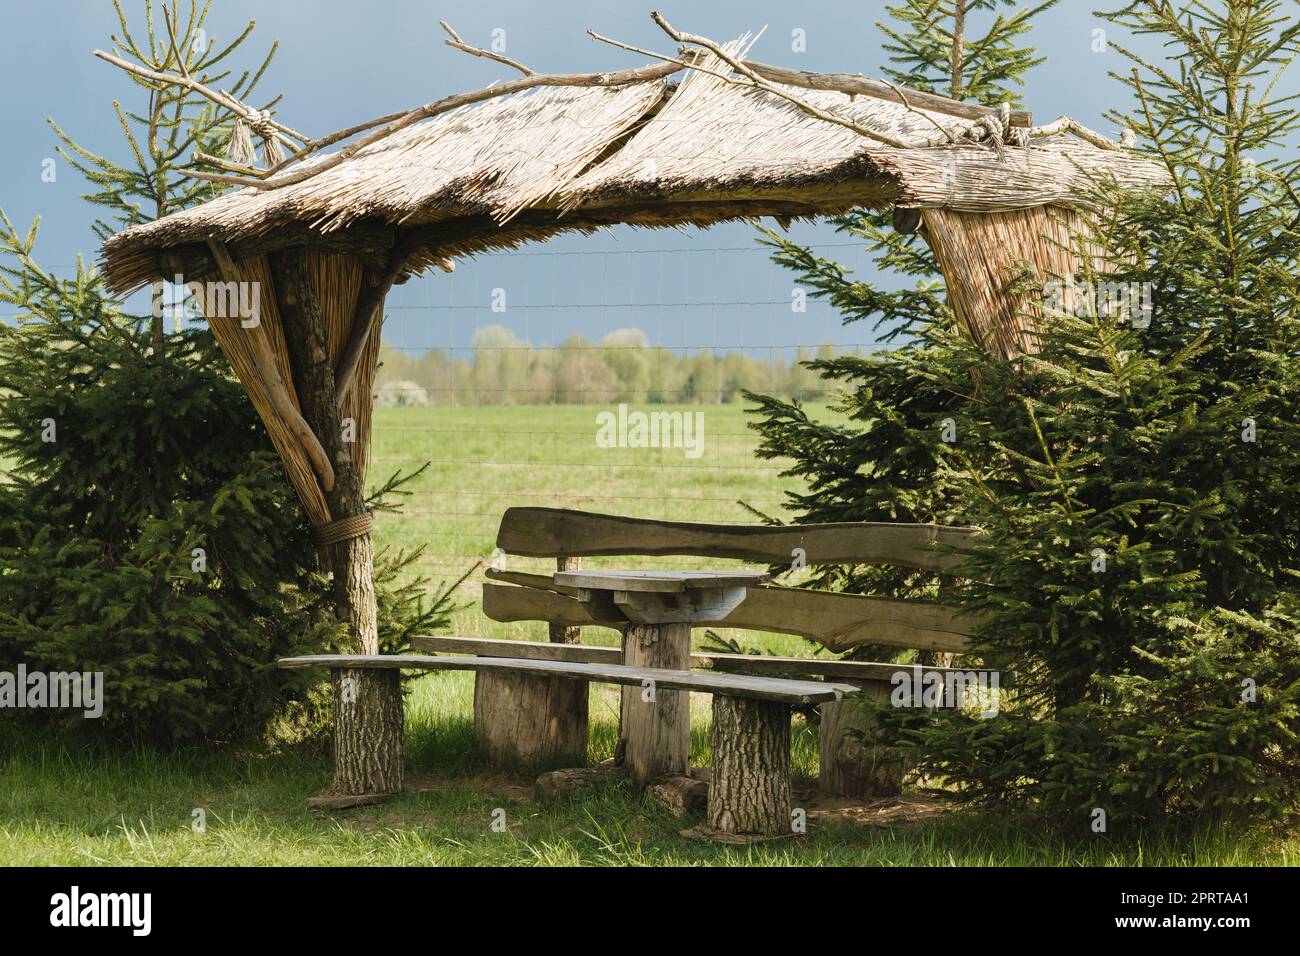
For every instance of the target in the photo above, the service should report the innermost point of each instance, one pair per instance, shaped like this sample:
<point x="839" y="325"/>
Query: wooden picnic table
<point x="659" y="607"/>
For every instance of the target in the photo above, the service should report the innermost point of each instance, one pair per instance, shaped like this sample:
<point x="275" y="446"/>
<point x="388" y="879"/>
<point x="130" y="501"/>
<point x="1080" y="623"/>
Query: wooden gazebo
<point x="704" y="135"/>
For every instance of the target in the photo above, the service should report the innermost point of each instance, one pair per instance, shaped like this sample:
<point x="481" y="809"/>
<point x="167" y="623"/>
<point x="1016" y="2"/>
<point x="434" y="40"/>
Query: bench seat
<point x="781" y="690"/>
<point x="749" y="792"/>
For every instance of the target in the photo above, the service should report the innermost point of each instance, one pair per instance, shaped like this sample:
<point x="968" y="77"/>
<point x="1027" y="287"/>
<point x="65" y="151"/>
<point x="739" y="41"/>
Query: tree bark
<point x="369" y="741"/>
<point x="750" y="789"/>
<point x="656" y="732"/>
<point x="848" y="765"/>
<point x="527" y="722"/>
<point x="360" y="729"/>
<point x="562" y="633"/>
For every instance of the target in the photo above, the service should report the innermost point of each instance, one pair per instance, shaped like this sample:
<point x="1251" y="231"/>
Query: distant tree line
<point x="502" y="369"/>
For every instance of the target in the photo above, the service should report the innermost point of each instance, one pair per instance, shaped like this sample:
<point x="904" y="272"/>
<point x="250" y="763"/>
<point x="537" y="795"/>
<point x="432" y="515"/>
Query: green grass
<point x="66" y="804"/>
<point x="487" y="459"/>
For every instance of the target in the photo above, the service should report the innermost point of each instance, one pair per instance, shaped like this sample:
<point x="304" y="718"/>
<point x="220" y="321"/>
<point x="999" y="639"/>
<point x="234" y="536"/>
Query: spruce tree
<point x="882" y="464"/>
<point x="1136" y="482"/>
<point x="147" y="529"/>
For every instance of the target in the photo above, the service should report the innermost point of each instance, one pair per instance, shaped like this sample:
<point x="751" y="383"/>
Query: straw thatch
<point x="525" y="166"/>
<point x="704" y="150"/>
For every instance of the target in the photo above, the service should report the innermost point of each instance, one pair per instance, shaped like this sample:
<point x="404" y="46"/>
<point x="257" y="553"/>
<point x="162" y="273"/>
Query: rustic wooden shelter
<point x="701" y="136"/>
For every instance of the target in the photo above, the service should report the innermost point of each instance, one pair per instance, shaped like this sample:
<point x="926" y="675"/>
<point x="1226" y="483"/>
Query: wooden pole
<point x="655" y="723"/>
<point x="367" y="727"/>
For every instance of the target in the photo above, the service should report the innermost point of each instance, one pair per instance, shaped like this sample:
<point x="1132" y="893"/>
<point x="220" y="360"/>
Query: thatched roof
<point x="701" y="150"/>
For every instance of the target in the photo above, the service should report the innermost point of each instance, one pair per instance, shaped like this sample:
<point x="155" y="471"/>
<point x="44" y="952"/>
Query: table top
<point x="664" y="582"/>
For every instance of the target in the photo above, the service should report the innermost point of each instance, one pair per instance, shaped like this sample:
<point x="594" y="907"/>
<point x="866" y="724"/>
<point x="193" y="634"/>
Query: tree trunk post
<point x="656" y="724"/>
<point x="560" y="633"/>
<point x="369" y="741"/>
<point x="849" y="766"/>
<point x="749" y="793"/>
<point x="365" y="759"/>
<point x="527" y="722"/>
<point x="530" y="722"/>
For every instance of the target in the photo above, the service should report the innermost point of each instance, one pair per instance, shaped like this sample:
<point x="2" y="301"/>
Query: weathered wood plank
<point x="659" y="582"/>
<point x="731" y="685"/>
<point x="528" y="650"/>
<point x="552" y="532"/>
<point x="769" y="665"/>
<point x="504" y="603"/>
<point x="838" y="621"/>
<point x="543" y="581"/>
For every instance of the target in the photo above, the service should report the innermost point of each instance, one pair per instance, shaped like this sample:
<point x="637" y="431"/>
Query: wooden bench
<point x="838" y="621"/>
<point x="749" y="793"/>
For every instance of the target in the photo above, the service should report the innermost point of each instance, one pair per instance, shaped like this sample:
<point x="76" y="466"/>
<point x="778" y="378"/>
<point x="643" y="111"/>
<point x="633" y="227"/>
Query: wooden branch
<point x="222" y="163"/>
<point x="753" y="75"/>
<point x="739" y="66"/>
<point x="912" y="109"/>
<point x="1065" y="124"/>
<point x="216" y="96"/>
<point x="367" y="319"/>
<point x="276" y="388"/>
<point x="464" y="47"/>
<point x="643" y="74"/>
<point x="855" y="84"/>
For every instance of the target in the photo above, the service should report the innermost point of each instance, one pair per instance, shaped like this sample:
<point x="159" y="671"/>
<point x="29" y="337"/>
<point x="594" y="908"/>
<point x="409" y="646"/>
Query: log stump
<point x="750" y="790"/>
<point x="655" y="724"/>
<point x="681" y="796"/>
<point x="554" y="784"/>
<point x="369" y="743"/>
<point x="849" y="766"/>
<point x="527" y="722"/>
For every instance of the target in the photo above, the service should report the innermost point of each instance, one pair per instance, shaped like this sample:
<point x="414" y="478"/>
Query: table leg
<point x="656" y="724"/>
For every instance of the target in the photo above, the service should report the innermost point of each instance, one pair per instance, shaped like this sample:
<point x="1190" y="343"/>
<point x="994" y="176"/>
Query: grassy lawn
<point x="69" y="804"/>
<point x="484" y="460"/>
<point x="64" y="805"/>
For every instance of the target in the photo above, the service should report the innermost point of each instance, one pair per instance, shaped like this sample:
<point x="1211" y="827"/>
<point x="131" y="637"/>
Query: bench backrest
<point x="839" y="621"/>
<point x="563" y="533"/>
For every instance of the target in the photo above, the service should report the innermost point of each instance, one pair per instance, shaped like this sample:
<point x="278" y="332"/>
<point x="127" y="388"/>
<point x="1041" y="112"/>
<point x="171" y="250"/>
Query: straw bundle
<point x="983" y="257"/>
<point x="338" y="279"/>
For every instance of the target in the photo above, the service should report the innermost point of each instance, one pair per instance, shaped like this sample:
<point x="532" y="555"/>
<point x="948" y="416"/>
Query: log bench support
<point x="369" y="742"/>
<point x="849" y="764"/>
<point x="750" y="790"/>
<point x="749" y="793"/>
<point x="530" y="722"/>
<point x="655" y="724"/>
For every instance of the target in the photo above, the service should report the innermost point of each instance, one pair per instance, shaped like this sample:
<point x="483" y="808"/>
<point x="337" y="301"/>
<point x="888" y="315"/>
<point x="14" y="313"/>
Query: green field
<point x="487" y="459"/>
<point x="79" y="804"/>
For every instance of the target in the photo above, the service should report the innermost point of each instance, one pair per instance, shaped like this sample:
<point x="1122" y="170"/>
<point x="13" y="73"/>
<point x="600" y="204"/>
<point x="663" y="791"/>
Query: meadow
<point x="81" y="804"/>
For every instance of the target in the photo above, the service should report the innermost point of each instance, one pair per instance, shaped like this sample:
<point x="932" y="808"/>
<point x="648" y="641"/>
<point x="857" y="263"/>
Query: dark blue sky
<point x="341" y="62"/>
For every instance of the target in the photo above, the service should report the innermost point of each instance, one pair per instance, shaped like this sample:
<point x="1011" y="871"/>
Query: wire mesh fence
<point x="589" y="380"/>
